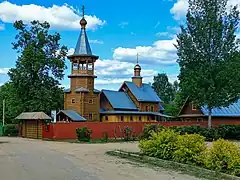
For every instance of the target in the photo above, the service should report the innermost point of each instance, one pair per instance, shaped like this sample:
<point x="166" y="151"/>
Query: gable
<point x="187" y="109"/>
<point x="119" y="100"/>
<point x="142" y="94"/>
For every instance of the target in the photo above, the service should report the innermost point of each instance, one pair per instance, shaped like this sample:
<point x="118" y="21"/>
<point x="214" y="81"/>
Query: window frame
<point x="194" y="107"/>
<point x="73" y="100"/>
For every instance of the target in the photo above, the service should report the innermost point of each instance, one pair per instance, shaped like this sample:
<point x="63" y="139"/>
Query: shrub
<point x="148" y="129"/>
<point x="105" y="136"/>
<point x="209" y="134"/>
<point x="10" y="130"/>
<point x="127" y="131"/>
<point x="229" y="131"/>
<point x="161" y="145"/>
<point x="188" y="148"/>
<point x="223" y="156"/>
<point x="84" y="134"/>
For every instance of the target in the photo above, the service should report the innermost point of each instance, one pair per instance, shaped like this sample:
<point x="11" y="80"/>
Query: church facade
<point x="134" y="101"/>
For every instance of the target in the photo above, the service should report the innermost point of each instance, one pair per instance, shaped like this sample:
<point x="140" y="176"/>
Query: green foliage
<point x="10" y="130"/>
<point x="188" y="148"/>
<point x="164" y="88"/>
<point x="148" y="129"/>
<point x="128" y="133"/>
<point x="12" y="106"/>
<point x="39" y="68"/>
<point x="105" y="137"/>
<point x="222" y="131"/>
<point x="161" y="145"/>
<point x="84" y="134"/>
<point x="223" y="156"/>
<point x="208" y="54"/>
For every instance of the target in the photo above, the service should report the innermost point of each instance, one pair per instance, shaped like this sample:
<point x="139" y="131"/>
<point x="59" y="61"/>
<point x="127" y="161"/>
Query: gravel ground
<point x="27" y="159"/>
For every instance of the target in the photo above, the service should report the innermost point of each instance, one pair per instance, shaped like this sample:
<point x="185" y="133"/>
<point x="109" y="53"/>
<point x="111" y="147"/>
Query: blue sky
<point x="117" y="30"/>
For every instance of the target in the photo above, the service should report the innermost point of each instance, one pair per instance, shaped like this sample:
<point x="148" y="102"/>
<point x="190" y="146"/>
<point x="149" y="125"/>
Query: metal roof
<point x="144" y="93"/>
<point x="33" y="116"/>
<point x="119" y="100"/>
<point x="73" y="115"/>
<point x="135" y="113"/>
<point x="67" y="90"/>
<point x="83" y="46"/>
<point x="81" y="90"/>
<point x="161" y="108"/>
<point x="231" y="110"/>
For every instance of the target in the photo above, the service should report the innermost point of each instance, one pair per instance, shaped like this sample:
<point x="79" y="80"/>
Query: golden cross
<point x="137" y="57"/>
<point x="83" y="9"/>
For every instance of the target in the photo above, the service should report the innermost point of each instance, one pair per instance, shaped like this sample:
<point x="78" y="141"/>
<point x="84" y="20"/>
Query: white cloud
<point x="4" y="71"/>
<point x="161" y="52"/>
<point x="180" y="8"/>
<point x="123" y="24"/>
<point x="70" y="51"/>
<point x="2" y="27"/>
<point x="63" y="17"/>
<point x="163" y="34"/>
<point x="116" y="72"/>
<point x="96" y="41"/>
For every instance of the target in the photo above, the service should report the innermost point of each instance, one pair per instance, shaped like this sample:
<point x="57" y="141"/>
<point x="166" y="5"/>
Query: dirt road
<point x="27" y="159"/>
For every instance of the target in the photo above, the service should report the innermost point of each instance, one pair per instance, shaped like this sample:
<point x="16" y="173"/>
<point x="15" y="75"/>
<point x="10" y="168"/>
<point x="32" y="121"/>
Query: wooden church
<point x="134" y="102"/>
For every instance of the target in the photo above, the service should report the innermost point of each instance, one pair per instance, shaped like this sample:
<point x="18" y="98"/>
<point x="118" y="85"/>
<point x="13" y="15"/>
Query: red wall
<point x="68" y="130"/>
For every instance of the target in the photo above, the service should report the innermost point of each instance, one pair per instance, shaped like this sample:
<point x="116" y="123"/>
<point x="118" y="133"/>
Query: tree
<point x="39" y="67"/>
<point x="12" y="106"/>
<point x="208" y="54"/>
<point x="163" y="88"/>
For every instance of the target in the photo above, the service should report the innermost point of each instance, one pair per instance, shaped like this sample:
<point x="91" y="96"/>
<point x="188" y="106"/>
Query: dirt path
<point x="25" y="159"/>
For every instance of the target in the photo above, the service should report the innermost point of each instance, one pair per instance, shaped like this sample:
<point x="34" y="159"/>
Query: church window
<point x="131" y="118"/>
<point x="194" y="107"/>
<point x="90" y="66"/>
<point x="122" y="118"/>
<point x="152" y="108"/>
<point x="90" y="101"/>
<point x="75" y="66"/>
<point x="73" y="101"/>
<point x="140" y="118"/>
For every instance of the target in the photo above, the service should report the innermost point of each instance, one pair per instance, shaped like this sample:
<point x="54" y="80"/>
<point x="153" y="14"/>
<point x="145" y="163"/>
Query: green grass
<point x="183" y="168"/>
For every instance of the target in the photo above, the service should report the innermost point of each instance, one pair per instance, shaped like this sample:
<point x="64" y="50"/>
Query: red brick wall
<point x="68" y="130"/>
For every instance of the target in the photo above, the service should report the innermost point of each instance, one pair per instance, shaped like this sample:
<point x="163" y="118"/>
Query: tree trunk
<point x="209" y="118"/>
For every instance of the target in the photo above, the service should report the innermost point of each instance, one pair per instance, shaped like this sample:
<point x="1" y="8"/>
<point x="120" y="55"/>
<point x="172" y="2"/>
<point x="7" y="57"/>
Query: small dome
<point x="83" y="22"/>
<point x="137" y="67"/>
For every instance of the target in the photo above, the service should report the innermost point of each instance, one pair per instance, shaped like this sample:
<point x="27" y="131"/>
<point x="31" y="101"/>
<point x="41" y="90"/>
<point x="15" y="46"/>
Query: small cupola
<point x="137" y="79"/>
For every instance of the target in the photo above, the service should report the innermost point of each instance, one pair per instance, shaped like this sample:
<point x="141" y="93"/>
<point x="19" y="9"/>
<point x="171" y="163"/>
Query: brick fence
<point x="68" y="130"/>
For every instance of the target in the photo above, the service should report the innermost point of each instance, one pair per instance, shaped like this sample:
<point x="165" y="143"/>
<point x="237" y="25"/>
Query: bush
<point x="84" y="134"/>
<point x="161" y="145"/>
<point x="209" y="134"/>
<point x="10" y="130"/>
<point x="148" y="129"/>
<point x="127" y="131"/>
<point x="105" y="136"/>
<point x="223" y="156"/>
<point x="188" y="148"/>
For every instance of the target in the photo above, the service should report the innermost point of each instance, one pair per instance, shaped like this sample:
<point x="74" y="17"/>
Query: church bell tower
<point x="82" y="97"/>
